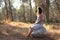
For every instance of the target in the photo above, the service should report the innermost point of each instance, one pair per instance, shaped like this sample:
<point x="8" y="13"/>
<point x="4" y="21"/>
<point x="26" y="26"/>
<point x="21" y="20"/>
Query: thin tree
<point x="57" y="5"/>
<point x="47" y="10"/>
<point x="30" y="10"/>
<point x="10" y="10"/>
<point x="6" y="9"/>
<point x="23" y="10"/>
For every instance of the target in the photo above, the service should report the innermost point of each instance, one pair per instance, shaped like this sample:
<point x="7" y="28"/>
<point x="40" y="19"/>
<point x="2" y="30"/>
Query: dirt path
<point x="18" y="31"/>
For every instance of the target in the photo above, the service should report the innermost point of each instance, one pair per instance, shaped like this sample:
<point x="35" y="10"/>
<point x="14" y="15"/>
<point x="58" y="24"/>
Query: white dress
<point x="38" y="29"/>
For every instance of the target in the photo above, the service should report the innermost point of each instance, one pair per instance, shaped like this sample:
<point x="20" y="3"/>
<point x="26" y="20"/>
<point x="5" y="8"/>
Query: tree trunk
<point x="10" y="11"/>
<point x="47" y="10"/>
<point x="57" y="5"/>
<point x="8" y="14"/>
<point x="23" y="11"/>
<point x="6" y="9"/>
<point x="30" y="11"/>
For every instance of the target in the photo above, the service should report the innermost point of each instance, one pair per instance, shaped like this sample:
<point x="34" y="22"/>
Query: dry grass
<point x="18" y="31"/>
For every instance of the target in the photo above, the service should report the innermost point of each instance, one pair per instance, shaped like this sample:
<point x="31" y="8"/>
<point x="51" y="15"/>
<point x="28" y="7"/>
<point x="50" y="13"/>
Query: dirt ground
<point x="19" y="30"/>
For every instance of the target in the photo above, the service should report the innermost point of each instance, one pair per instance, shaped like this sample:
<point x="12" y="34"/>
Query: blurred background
<point x="25" y="10"/>
<point x="16" y="16"/>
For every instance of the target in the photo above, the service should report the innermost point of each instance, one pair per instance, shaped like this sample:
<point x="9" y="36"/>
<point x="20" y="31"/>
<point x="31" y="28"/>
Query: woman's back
<point x="38" y="25"/>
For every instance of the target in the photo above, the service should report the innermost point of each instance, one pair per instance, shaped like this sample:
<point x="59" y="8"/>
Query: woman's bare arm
<point x="40" y="19"/>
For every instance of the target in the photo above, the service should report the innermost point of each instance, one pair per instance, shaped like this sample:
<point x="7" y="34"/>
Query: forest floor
<point x="18" y="31"/>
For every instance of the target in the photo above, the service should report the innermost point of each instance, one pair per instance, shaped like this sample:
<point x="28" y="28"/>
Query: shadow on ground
<point x="8" y="32"/>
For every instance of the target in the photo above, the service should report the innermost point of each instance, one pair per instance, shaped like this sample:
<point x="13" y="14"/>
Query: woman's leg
<point x="29" y="32"/>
